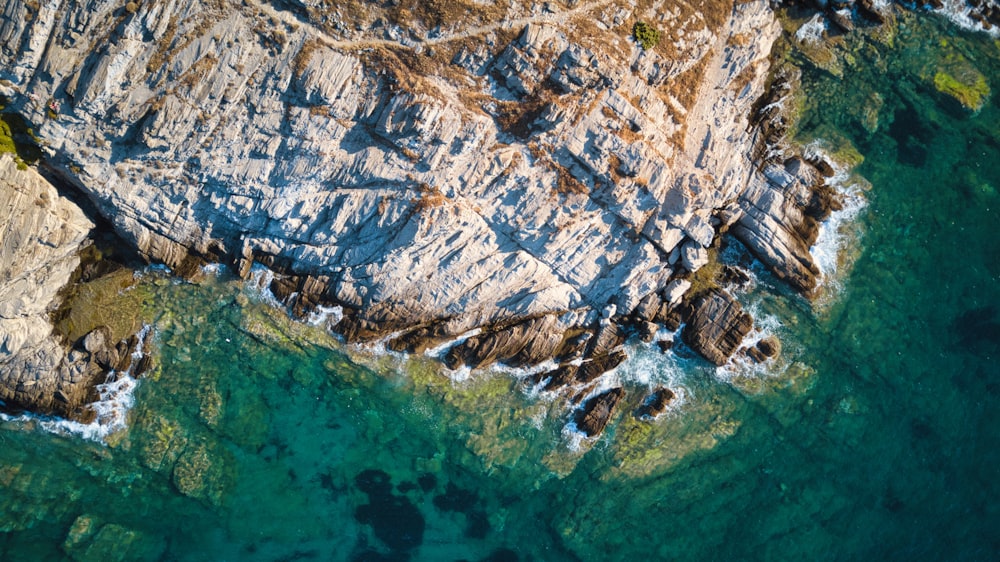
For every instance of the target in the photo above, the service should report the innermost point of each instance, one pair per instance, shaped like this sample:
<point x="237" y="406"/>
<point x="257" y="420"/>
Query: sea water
<point x="874" y="436"/>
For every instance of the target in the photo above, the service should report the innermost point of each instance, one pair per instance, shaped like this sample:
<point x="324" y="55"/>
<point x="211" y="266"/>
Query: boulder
<point x="716" y="325"/>
<point x="596" y="412"/>
<point x="693" y="256"/>
<point x="654" y="404"/>
<point x="766" y="348"/>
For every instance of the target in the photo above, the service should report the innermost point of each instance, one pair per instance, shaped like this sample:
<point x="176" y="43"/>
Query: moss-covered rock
<point x="202" y="472"/>
<point x="89" y="541"/>
<point x="963" y="84"/>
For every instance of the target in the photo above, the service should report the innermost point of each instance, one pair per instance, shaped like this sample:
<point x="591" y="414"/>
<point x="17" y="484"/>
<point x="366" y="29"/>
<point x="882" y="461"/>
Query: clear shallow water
<point x="876" y="437"/>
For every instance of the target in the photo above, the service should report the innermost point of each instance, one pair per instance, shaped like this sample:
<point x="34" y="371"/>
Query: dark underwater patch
<point x="911" y="136"/>
<point x="978" y="326"/>
<point x="395" y="519"/>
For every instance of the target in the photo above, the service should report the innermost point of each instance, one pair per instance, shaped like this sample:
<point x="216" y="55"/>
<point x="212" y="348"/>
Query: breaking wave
<point x="116" y="398"/>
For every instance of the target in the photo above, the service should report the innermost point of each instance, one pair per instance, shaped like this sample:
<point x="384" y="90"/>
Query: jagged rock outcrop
<point x="597" y="411"/>
<point x="656" y="403"/>
<point x="40" y="237"/>
<point x="716" y="325"/>
<point x="766" y="348"/>
<point x="542" y="189"/>
<point x="782" y="211"/>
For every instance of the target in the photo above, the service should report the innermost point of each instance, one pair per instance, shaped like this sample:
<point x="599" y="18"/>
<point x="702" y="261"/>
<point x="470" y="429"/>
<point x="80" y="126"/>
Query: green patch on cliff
<point x="645" y="35"/>
<point x="17" y="138"/>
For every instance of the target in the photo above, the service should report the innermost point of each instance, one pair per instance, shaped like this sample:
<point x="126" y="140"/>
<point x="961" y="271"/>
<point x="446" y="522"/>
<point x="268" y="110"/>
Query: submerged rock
<point x="395" y="520"/>
<point x="963" y="84"/>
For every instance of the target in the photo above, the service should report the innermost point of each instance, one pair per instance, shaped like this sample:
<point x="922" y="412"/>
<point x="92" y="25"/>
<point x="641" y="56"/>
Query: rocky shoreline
<point x="544" y="193"/>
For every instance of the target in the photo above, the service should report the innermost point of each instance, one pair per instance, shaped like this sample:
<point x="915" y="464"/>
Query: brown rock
<point x="656" y="403"/>
<point x="716" y="325"/>
<point x="569" y="374"/>
<point x="647" y="331"/>
<point x="596" y="412"/>
<point x="782" y="212"/>
<point x="769" y="346"/>
<point x="526" y="343"/>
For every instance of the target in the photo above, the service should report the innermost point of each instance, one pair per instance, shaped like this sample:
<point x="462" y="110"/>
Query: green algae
<point x="966" y="85"/>
<point x="112" y="300"/>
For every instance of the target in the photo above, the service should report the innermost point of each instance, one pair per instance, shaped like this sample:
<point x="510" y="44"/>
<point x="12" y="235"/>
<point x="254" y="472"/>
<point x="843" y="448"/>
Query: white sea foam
<point x="958" y="12"/>
<point x="574" y="438"/>
<point x="459" y="375"/>
<point x="438" y="352"/>
<point x="116" y="398"/>
<point x="326" y="316"/>
<point x="213" y="269"/>
<point x="259" y="284"/>
<point x="530" y="371"/>
<point x="740" y="365"/>
<point x="812" y="31"/>
<point x="839" y="232"/>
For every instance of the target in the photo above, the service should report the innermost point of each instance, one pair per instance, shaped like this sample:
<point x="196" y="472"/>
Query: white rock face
<point x="225" y="133"/>
<point x="40" y="237"/>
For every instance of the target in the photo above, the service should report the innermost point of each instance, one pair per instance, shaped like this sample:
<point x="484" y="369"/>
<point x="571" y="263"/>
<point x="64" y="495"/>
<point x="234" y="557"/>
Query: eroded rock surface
<point x="40" y="238"/>
<point x="597" y="411"/>
<point x="716" y="325"/>
<point x="537" y="182"/>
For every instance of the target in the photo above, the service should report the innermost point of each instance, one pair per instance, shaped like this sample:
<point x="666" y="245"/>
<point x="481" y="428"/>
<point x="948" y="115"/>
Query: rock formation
<point x="596" y="412"/>
<point x="656" y="403"/>
<point x="715" y="325"/>
<point x="534" y="181"/>
<point x="40" y="237"/>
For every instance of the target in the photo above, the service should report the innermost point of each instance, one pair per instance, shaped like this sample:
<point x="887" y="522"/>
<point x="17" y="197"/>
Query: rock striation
<point x="540" y="190"/>
<point x="40" y="237"/>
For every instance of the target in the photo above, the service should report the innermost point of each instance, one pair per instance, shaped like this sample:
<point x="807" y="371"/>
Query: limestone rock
<point x="40" y="236"/>
<point x="368" y="183"/>
<point x="782" y="212"/>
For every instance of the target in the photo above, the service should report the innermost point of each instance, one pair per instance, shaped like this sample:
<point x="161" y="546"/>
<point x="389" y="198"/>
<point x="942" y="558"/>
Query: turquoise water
<point x="874" y="437"/>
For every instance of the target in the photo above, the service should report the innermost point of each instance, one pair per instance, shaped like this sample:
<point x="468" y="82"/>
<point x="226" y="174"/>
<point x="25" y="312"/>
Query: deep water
<point x="875" y="437"/>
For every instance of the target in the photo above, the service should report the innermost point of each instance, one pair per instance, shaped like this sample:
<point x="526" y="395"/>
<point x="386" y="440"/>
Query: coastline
<point x="256" y="438"/>
<point x="652" y="203"/>
<point x="501" y="287"/>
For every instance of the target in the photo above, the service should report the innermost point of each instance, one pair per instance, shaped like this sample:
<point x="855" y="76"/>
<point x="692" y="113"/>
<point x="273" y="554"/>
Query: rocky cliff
<point x="40" y="237"/>
<point x="527" y="176"/>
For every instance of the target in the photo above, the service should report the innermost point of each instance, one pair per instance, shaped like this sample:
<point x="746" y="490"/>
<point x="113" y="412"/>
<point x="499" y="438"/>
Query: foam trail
<point x="213" y="269"/>
<point x="260" y="284"/>
<point x="648" y="366"/>
<point x="574" y="438"/>
<point x="439" y="351"/>
<point x="116" y="398"/>
<point x="326" y="316"/>
<point x="835" y="233"/>
<point x="740" y="365"/>
<point x="958" y="12"/>
<point x="812" y="31"/>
